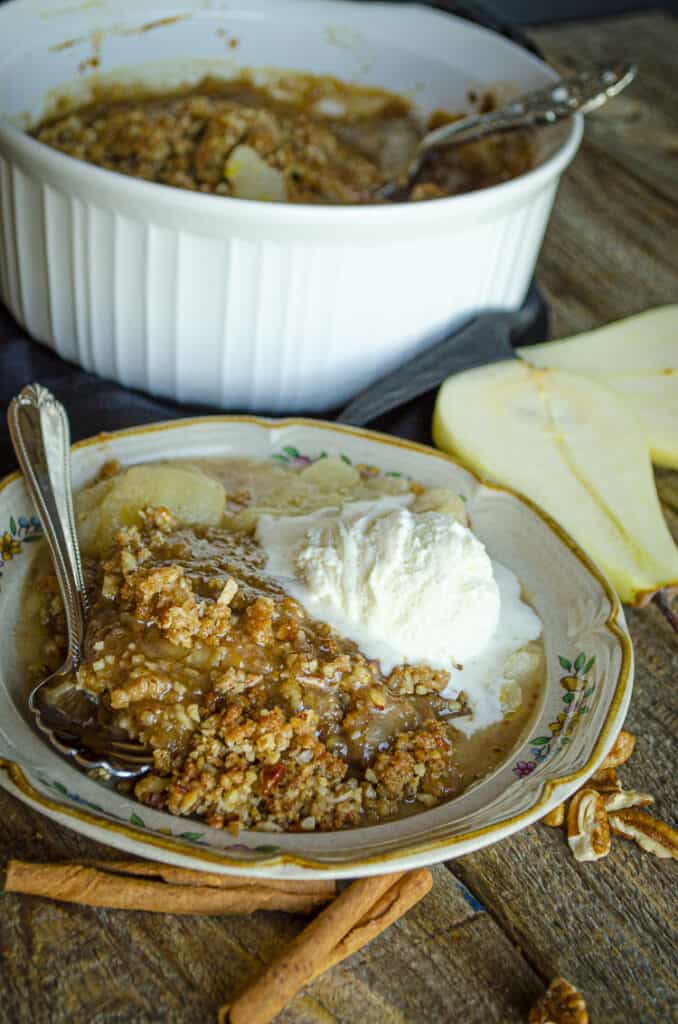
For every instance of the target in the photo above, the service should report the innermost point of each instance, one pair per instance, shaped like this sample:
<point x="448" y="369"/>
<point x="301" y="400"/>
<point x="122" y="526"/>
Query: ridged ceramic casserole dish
<point x="241" y="304"/>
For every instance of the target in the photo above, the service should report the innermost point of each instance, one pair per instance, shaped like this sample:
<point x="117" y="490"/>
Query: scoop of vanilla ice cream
<point x="407" y="587"/>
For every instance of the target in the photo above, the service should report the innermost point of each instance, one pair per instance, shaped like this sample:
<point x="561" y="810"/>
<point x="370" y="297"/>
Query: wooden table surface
<point x="501" y="923"/>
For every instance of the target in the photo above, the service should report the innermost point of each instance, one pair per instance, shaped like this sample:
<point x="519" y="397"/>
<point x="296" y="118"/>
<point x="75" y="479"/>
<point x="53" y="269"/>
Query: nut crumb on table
<point x="560" y="1004"/>
<point x="602" y="808"/>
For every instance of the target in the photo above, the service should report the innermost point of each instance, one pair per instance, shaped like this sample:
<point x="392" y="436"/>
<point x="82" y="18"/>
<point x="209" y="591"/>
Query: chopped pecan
<point x="555" y="818"/>
<point x="271" y="775"/>
<point x="625" y="798"/>
<point x="652" y="835"/>
<point x="560" y="1004"/>
<point x="605" y="780"/>
<point x="229" y="591"/>
<point x="588" y="831"/>
<point x="621" y="750"/>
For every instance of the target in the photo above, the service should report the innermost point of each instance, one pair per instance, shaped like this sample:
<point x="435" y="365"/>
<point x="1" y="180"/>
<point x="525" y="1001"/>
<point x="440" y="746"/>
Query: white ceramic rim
<point x="128" y="838"/>
<point x="36" y="154"/>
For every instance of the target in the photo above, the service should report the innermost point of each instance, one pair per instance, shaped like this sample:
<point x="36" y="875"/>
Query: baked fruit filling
<point x="302" y="139"/>
<point x="260" y="715"/>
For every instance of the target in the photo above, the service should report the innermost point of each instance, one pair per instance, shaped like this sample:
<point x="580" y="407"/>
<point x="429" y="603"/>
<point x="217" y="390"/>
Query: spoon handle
<point x="579" y="94"/>
<point x="38" y="426"/>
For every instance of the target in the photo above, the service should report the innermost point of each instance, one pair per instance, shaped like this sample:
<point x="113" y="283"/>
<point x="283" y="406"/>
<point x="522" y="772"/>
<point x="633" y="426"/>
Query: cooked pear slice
<point x="104" y="508"/>
<point x="569" y="444"/>
<point x="252" y="178"/>
<point x="638" y="357"/>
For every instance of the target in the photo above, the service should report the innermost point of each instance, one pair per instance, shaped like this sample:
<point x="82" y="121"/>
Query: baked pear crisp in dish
<point x="300" y="139"/>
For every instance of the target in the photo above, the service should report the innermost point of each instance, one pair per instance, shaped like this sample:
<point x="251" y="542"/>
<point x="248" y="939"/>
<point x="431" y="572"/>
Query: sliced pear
<point x="441" y="499"/>
<point x="252" y="178"/>
<point x="102" y="509"/>
<point x="637" y="357"/>
<point x="331" y="474"/>
<point x="653" y="397"/>
<point x="569" y="444"/>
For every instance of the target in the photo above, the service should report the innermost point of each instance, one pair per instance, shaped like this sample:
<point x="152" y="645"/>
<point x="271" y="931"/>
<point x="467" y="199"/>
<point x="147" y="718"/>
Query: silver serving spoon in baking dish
<point x="65" y="713"/>
<point x="580" y="93"/>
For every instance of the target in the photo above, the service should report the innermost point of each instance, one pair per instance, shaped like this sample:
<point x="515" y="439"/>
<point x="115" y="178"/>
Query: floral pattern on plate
<point x="20" y="530"/>
<point x="578" y="689"/>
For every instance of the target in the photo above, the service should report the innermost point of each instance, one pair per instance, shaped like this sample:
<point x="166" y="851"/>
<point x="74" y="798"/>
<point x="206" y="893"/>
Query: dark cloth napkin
<point x="95" y="404"/>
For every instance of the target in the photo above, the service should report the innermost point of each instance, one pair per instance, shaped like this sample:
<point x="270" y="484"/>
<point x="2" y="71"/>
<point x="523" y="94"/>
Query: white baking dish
<point x="240" y="304"/>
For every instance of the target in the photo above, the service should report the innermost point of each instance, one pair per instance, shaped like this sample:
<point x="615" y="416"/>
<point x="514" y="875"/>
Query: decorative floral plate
<point x="588" y="687"/>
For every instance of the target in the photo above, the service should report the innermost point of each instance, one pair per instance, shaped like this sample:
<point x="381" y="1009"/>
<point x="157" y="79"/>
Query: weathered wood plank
<point x="610" y="926"/>
<point x="610" y="251"/>
<point x="448" y="960"/>
<point x="610" y="248"/>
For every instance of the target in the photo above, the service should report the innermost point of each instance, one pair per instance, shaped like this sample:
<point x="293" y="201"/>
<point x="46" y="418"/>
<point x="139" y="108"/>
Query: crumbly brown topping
<point x="417" y="766"/>
<point x="188" y="141"/>
<point x="258" y="716"/>
<point x="411" y="679"/>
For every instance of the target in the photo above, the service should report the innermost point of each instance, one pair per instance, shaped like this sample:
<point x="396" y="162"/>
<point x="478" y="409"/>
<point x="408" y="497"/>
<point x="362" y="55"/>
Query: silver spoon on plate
<point x="64" y="712"/>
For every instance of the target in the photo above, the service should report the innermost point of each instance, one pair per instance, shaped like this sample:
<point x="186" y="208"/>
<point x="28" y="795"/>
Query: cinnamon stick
<point x="97" y="886"/>
<point x="393" y="905"/>
<point x="362" y="910"/>
<point x="325" y="887"/>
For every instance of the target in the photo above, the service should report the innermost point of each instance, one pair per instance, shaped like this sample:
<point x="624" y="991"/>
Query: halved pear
<point x="637" y="357"/>
<point x="569" y="444"/>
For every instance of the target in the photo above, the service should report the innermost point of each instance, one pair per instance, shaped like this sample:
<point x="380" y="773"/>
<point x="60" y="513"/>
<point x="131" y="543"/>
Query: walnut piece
<point x="588" y="831"/>
<point x="555" y="818"/>
<point x="621" y="750"/>
<point x="652" y="835"/>
<point x="560" y="1004"/>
